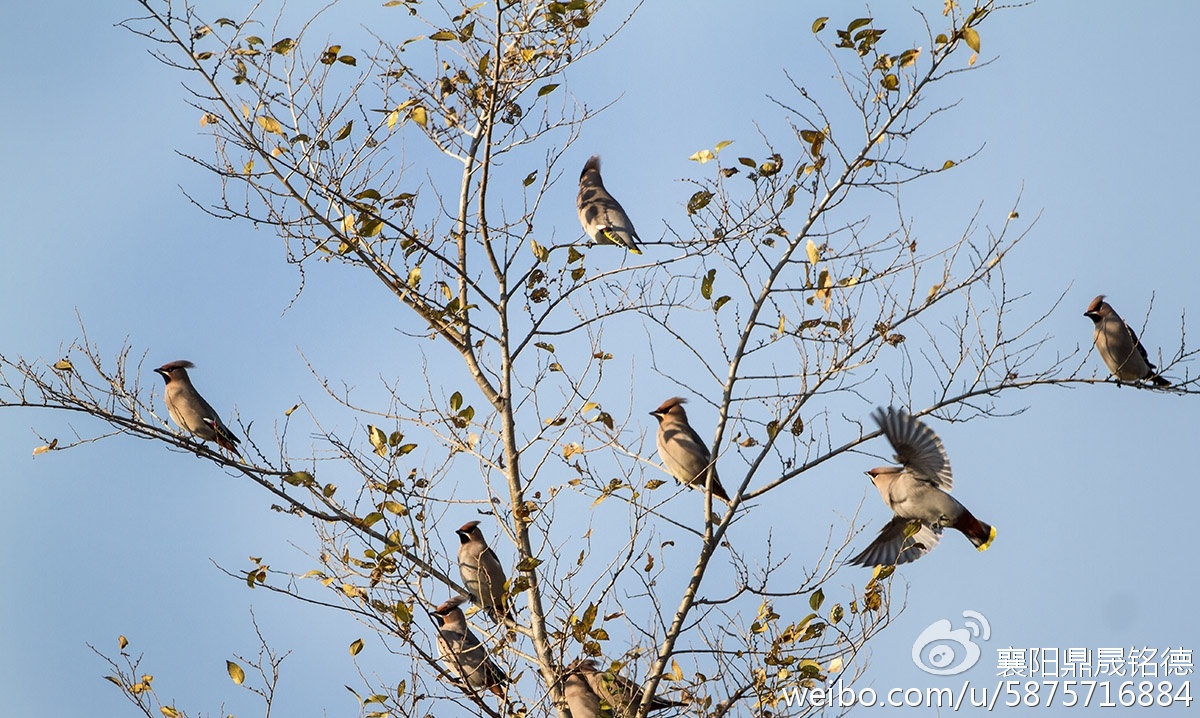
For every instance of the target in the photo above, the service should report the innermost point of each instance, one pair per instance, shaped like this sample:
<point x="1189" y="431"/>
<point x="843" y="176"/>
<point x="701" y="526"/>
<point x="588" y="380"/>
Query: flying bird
<point x="602" y="217"/>
<point x="682" y="449"/>
<point x="1119" y="347"/>
<point x="481" y="571"/>
<point x="189" y="410"/>
<point x="463" y="654"/>
<point x="918" y="493"/>
<point x="608" y="688"/>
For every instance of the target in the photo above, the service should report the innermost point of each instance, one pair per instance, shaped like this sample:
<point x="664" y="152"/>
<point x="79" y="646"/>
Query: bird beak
<point x="868" y="475"/>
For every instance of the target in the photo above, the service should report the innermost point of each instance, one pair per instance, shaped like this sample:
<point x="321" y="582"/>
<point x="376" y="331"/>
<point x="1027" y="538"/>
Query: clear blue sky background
<point x="1089" y="110"/>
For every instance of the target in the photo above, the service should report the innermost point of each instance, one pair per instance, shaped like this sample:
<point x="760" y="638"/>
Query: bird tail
<point x="979" y="533"/>
<point x="224" y="437"/>
<point x="1159" y="381"/>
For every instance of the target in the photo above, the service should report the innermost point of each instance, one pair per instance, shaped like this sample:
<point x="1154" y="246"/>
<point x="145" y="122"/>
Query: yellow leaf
<point x="722" y="145"/>
<point x="974" y="57"/>
<point x="933" y="292"/>
<point x="392" y="118"/>
<point x="169" y="712"/>
<point x="819" y="24"/>
<point x="835" y="665"/>
<point x="414" y="276"/>
<point x="676" y="671"/>
<point x="235" y="672"/>
<point x="356" y="647"/>
<point x="289" y="411"/>
<point x="378" y="440"/>
<point x="814" y="254"/>
<point x="782" y="323"/>
<point x="419" y="116"/>
<point x="122" y="641"/>
<point x="47" y="447"/>
<point x="589" y="406"/>
<point x="971" y="37"/>
<point x="948" y="164"/>
<point x="248" y="167"/>
<point x="540" y="252"/>
<point x="270" y="124"/>
<point x="702" y="156"/>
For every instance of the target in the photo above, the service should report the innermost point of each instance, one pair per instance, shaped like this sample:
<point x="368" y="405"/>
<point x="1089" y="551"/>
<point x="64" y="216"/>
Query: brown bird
<point x="463" y="654"/>
<point x="189" y="410"/>
<point x="682" y="449"/>
<point x="611" y="689"/>
<point x="918" y="493"/>
<point x="602" y="217"/>
<point x="1119" y="347"/>
<point x="481" y="571"/>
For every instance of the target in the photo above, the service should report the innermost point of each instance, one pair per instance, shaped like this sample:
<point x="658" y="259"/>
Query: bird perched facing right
<point x="610" y="688"/>
<point x="602" y="217"/>
<point x="1119" y="347"/>
<point x="189" y="410"/>
<point x="917" y="491"/>
<point x="682" y="449"/>
<point x="463" y="654"/>
<point x="481" y="571"/>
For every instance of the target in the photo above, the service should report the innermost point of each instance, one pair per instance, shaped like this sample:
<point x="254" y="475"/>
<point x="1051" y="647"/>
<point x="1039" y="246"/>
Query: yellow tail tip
<point x="991" y="537"/>
<point x="635" y="250"/>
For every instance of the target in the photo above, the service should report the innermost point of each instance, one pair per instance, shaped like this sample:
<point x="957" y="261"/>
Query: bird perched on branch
<point x="602" y="217"/>
<point x="189" y="410"/>
<point x="463" y="654"/>
<point x="682" y="449"/>
<point x="589" y="690"/>
<point x="1119" y="347"/>
<point x="918" y="493"/>
<point x="481" y="571"/>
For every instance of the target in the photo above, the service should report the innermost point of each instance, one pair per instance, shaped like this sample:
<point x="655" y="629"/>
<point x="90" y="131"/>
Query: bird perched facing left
<point x="610" y="688"/>
<point x="918" y="491"/>
<point x="464" y="656"/>
<point x="189" y="410"/>
<point x="682" y="449"/>
<point x="1119" y="347"/>
<point x="481" y="571"/>
<point x="602" y="217"/>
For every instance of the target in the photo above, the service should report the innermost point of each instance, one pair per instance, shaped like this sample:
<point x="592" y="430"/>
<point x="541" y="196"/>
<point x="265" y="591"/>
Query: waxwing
<point x="1119" y="347"/>
<point x="463" y="654"/>
<point x="917" y="492"/>
<point x="481" y="571"/>
<point x="602" y="216"/>
<point x="615" y="691"/>
<point x="682" y="449"/>
<point x="189" y="410"/>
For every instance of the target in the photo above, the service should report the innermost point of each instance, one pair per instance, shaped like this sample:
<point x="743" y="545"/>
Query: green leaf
<point x="816" y="599"/>
<point x="235" y="672"/>
<point x="891" y="82"/>
<point x="971" y="37"/>
<point x="528" y="564"/>
<point x="344" y="132"/>
<point x="721" y="301"/>
<point x="300" y="478"/>
<point x="706" y="284"/>
<point x="855" y="24"/>
<point x="456" y="401"/>
<point x="699" y="201"/>
<point x="443" y="35"/>
<point x="546" y="90"/>
<point x="283" y="47"/>
<point x="819" y="24"/>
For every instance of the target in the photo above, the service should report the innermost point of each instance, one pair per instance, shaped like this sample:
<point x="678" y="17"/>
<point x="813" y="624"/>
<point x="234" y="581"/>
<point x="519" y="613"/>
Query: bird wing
<point x="1141" y="349"/>
<point x="604" y="219"/>
<point x="892" y="547"/>
<point x="917" y="447"/>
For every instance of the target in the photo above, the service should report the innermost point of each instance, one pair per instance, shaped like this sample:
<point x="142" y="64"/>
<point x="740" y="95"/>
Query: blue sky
<point x="1087" y="113"/>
